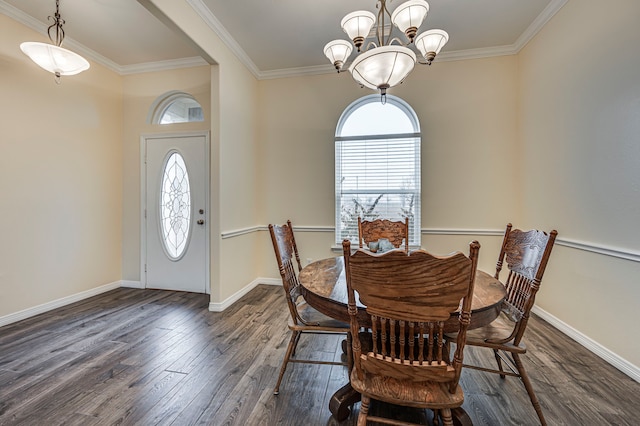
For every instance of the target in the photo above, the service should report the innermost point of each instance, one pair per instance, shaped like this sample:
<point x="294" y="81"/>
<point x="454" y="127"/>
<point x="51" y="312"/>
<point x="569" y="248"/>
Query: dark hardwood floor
<point x="149" y="357"/>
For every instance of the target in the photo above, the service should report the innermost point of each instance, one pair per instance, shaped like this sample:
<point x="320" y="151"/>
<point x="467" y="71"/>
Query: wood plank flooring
<point x="148" y="357"/>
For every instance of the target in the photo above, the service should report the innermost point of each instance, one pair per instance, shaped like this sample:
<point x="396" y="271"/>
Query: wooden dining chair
<point x="409" y="297"/>
<point x="526" y="254"/>
<point x="303" y="319"/>
<point x="396" y="232"/>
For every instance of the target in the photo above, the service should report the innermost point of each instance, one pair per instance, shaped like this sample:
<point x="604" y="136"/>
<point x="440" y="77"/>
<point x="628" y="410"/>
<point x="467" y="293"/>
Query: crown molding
<point x="212" y="22"/>
<point x="216" y="26"/>
<point x="485" y="52"/>
<point x="544" y="17"/>
<point x="69" y="43"/>
<point x="296" y="72"/>
<point x="162" y="65"/>
<point x="538" y="23"/>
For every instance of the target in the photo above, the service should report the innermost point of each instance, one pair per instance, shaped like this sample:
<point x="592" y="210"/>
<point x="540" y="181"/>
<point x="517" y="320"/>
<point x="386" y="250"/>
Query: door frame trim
<point x="144" y="138"/>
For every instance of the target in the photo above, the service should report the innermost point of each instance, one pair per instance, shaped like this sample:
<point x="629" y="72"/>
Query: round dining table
<point x="324" y="287"/>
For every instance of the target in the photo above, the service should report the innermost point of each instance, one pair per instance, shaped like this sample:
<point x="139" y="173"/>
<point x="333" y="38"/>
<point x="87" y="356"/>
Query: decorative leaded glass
<point x="175" y="206"/>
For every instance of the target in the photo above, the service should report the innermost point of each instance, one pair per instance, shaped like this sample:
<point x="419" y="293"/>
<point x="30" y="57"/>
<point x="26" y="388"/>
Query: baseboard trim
<point x="270" y="281"/>
<point x="612" y="358"/>
<point x="132" y="284"/>
<point x="58" y="303"/>
<point x="221" y="306"/>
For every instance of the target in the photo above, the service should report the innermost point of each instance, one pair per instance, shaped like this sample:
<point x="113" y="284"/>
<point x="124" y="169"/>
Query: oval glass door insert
<point x="175" y="206"/>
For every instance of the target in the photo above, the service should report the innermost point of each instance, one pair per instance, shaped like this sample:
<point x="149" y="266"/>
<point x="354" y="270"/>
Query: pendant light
<point x="53" y="57"/>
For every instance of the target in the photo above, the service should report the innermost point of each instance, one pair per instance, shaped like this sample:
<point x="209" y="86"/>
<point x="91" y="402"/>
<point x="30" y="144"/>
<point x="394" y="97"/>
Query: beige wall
<point x="140" y="93"/>
<point x="580" y="108"/>
<point x="467" y="113"/>
<point x="567" y="104"/>
<point x="61" y="174"/>
<point x="234" y="180"/>
<point x="544" y="139"/>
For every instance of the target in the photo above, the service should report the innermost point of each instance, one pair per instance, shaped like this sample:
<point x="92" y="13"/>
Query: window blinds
<point x="377" y="177"/>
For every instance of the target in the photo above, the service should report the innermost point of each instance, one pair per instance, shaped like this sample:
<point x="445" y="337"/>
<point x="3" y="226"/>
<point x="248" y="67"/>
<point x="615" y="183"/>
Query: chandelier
<point x="387" y="63"/>
<point x="54" y="58"/>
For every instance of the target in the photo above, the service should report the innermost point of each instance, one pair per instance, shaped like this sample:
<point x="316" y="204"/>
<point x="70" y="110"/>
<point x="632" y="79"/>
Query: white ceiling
<point x="271" y="37"/>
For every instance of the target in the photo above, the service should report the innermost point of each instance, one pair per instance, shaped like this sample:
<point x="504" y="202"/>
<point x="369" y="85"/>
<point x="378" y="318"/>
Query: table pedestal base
<point x="340" y="402"/>
<point x="346" y="396"/>
<point x="460" y="417"/>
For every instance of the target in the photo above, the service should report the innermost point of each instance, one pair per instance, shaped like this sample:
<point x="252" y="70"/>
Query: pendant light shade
<point x="430" y="42"/>
<point x="357" y="25"/>
<point x="54" y="59"/>
<point x="338" y="51"/>
<point x="409" y="16"/>
<point x="383" y="67"/>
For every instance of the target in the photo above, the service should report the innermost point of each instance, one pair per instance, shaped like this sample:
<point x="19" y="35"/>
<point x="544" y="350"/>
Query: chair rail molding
<point x="242" y="231"/>
<point x="617" y="252"/>
<point x="250" y="229"/>
<point x="620" y="253"/>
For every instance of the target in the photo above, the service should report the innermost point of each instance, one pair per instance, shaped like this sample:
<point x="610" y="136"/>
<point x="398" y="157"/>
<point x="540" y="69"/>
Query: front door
<point x="175" y="216"/>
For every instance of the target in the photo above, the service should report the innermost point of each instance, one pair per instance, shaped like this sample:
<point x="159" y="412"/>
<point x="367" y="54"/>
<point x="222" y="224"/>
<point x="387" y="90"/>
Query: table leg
<point x="340" y="402"/>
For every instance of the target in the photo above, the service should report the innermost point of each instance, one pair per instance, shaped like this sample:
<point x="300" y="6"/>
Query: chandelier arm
<point x="371" y="45"/>
<point x="380" y="26"/>
<point x="400" y="43"/>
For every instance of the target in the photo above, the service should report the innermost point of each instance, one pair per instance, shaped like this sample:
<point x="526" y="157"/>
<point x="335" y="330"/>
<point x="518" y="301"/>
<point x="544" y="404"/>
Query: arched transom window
<point x="175" y="107"/>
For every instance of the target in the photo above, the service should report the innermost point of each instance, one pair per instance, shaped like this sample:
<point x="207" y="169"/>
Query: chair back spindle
<point x="303" y="319"/>
<point x="396" y="232"/>
<point x="409" y="298"/>
<point x="526" y="254"/>
<point x="284" y="246"/>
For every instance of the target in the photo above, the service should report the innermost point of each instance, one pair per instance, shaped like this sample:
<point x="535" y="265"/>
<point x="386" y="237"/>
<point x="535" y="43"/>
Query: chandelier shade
<point x="431" y="42"/>
<point x="409" y="16"/>
<point x="357" y="25"/>
<point x="338" y="52"/>
<point x="383" y="67"/>
<point x="55" y="59"/>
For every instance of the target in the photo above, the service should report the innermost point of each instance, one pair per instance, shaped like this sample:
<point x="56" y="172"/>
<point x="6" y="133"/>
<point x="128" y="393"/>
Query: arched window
<point x="377" y="166"/>
<point x="175" y="107"/>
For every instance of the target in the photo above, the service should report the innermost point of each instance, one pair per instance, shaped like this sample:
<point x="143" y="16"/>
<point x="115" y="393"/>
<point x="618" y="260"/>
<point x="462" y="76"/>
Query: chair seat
<point x="490" y="335"/>
<point x="431" y="395"/>
<point x="316" y="319"/>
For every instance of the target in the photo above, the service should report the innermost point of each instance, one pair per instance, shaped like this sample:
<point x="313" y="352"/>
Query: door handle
<point x="200" y="222"/>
